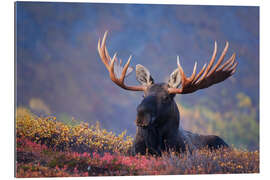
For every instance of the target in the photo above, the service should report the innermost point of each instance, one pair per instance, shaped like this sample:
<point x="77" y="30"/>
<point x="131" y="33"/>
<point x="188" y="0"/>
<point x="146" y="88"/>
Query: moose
<point x="158" y="117"/>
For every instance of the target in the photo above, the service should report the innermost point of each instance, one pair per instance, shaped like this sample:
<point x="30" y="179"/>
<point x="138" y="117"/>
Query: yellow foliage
<point x="58" y="134"/>
<point x="243" y="100"/>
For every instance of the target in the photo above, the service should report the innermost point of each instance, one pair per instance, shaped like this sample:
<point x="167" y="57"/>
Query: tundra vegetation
<point x="46" y="147"/>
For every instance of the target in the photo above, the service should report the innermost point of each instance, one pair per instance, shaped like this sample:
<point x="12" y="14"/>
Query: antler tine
<point x="191" y="78"/>
<point x="199" y="74"/>
<point x="109" y="64"/>
<point x="184" y="79"/>
<point x="104" y="48"/>
<point x="104" y="39"/>
<point x="181" y="69"/>
<point x="125" y="69"/>
<point x="220" y="59"/>
<point x="111" y="70"/>
<point x="209" y="76"/>
<point x="99" y="51"/>
<point x="107" y="54"/>
<point x="230" y="64"/>
<point x="102" y="52"/>
<point x="183" y="76"/>
<point x="231" y="60"/>
<point x="210" y="63"/>
<point x="232" y="68"/>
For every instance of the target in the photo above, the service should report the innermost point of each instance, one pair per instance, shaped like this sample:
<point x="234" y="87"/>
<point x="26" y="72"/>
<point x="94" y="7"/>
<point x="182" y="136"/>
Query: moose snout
<point x="143" y="120"/>
<point x="145" y="113"/>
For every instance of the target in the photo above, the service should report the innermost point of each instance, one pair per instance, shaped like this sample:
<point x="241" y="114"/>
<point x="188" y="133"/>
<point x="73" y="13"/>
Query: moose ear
<point x="143" y="75"/>
<point x="175" y="79"/>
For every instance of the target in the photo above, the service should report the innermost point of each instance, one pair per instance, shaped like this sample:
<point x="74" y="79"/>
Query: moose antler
<point x="207" y="76"/>
<point x="121" y="72"/>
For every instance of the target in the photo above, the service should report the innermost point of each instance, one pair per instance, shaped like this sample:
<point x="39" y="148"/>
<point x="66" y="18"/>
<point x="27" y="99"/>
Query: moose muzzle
<point x="146" y="112"/>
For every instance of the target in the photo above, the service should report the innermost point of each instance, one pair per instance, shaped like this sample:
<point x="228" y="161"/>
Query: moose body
<point x="158" y="117"/>
<point x="158" y="122"/>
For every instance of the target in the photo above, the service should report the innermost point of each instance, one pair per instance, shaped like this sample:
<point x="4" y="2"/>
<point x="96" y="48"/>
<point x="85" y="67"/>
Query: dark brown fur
<point x="158" y="124"/>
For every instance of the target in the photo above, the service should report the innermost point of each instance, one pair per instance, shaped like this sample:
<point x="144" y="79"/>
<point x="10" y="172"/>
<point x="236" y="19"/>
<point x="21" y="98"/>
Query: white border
<point x="184" y="2"/>
<point x="7" y="85"/>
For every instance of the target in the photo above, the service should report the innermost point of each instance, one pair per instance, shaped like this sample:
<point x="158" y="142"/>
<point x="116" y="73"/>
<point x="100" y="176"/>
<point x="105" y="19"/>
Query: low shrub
<point x="47" y="148"/>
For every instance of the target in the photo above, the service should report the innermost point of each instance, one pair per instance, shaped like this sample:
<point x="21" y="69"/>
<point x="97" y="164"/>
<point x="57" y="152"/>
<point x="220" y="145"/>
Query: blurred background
<point x="59" y="72"/>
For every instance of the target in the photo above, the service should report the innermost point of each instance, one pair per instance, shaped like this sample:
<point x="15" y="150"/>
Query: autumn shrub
<point x="36" y="160"/>
<point x="48" y="148"/>
<point x="80" y="138"/>
<point x="221" y="161"/>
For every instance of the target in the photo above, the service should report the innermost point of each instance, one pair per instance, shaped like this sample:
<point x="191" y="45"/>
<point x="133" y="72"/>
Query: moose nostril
<point x="143" y="119"/>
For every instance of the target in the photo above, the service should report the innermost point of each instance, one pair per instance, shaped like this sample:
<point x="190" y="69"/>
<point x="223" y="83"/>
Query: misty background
<point x="59" y="72"/>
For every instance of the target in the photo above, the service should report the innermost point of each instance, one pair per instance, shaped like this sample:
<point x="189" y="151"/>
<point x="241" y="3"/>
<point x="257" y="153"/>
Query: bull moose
<point x="158" y="118"/>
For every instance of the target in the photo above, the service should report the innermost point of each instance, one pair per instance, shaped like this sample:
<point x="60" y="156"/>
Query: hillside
<point x="48" y="148"/>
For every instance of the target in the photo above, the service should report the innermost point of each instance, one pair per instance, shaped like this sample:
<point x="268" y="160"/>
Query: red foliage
<point x="36" y="160"/>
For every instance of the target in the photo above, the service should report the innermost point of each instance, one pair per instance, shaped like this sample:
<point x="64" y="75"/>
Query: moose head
<point x="158" y="115"/>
